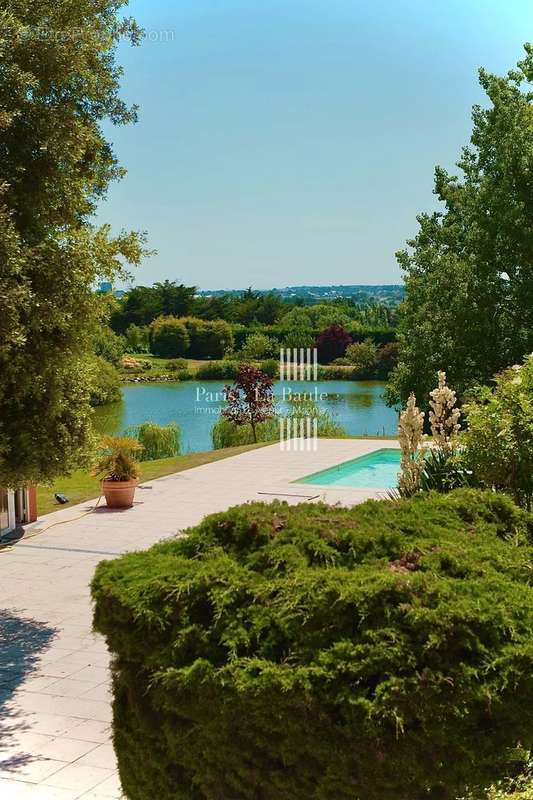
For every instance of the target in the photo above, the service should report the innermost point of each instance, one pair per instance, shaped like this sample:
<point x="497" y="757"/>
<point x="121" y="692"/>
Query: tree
<point x="259" y="346"/>
<point x="175" y="300"/>
<point x="59" y="82"/>
<point x="109" y="345"/>
<point x="363" y="355"/>
<point x="332" y="343"/>
<point x="250" y="400"/>
<point x="498" y="441"/>
<point x="137" y="338"/>
<point x="140" y="307"/>
<point x="469" y="271"/>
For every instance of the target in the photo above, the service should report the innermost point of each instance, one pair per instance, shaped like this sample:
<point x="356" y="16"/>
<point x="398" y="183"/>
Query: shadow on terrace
<point x="22" y="642"/>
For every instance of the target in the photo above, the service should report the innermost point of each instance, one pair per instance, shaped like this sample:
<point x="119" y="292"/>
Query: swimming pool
<point x="377" y="470"/>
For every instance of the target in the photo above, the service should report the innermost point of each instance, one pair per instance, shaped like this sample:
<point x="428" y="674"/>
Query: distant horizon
<point x="394" y="284"/>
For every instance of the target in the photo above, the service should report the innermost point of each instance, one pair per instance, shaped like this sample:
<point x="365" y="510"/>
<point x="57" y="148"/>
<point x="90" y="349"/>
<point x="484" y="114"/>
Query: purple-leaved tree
<point x="250" y="400"/>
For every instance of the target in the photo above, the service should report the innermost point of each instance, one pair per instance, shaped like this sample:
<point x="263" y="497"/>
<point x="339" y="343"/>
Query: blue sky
<point x="285" y="142"/>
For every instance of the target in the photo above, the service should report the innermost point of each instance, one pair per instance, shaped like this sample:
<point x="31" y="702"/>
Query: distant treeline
<point x="391" y="294"/>
<point x="143" y="304"/>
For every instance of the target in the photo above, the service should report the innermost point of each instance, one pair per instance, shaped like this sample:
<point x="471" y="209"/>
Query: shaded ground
<point x="22" y="643"/>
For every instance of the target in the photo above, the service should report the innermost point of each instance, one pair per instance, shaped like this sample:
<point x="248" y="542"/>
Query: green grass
<point x="81" y="486"/>
<point x="159" y="366"/>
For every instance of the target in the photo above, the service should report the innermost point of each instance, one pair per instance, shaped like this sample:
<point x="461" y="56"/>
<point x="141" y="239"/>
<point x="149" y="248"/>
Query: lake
<point x="195" y="406"/>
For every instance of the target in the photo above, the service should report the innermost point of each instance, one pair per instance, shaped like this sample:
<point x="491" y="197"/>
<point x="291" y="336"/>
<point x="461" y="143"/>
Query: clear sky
<point x="285" y="142"/>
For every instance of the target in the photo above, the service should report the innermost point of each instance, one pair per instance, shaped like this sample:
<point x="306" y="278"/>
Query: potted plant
<point x="119" y="469"/>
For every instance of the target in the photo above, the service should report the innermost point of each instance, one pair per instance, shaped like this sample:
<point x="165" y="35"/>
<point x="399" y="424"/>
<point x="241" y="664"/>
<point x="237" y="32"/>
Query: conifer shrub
<point x="317" y="653"/>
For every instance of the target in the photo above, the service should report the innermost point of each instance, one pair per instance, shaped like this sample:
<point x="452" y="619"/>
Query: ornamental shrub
<point x="168" y="337"/>
<point x="364" y="357"/>
<point x="498" y="441"/>
<point x="217" y="370"/>
<point x="158" y="441"/>
<point x="382" y="652"/>
<point x="332" y="343"/>
<point x="185" y="375"/>
<point x="258" y="346"/>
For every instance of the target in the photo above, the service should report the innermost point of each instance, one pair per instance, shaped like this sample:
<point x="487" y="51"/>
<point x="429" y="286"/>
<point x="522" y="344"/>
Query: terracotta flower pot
<point x="119" y="494"/>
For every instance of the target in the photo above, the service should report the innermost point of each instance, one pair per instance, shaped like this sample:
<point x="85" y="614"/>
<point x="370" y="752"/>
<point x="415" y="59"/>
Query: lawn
<point x="81" y="486"/>
<point x="159" y="366"/>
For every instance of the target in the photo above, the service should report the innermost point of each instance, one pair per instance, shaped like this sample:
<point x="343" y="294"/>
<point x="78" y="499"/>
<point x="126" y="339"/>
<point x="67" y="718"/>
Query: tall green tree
<point x="469" y="271"/>
<point x="58" y="82"/>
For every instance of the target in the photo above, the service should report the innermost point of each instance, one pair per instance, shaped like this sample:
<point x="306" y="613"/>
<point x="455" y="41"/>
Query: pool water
<point x="377" y="470"/>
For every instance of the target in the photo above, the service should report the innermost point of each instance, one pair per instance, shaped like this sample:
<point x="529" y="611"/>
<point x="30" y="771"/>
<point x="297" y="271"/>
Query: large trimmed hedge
<point x="319" y="653"/>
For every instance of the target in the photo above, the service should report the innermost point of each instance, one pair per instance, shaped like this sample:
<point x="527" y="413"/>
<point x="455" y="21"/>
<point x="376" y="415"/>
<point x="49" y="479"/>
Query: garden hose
<point x="7" y="546"/>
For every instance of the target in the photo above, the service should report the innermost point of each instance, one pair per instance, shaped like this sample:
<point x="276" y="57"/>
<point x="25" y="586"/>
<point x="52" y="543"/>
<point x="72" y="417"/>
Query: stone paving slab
<point x="55" y="712"/>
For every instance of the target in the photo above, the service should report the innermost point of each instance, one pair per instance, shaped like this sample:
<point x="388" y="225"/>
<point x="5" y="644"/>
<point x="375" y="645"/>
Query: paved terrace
<point x="55" y="710"/>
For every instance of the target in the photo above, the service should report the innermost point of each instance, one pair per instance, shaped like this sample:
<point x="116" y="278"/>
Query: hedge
<point x="381" y="336"/>
<point x="311" y="652"/>
<point x="169" y="338"/>
<point x="208" y="339"/>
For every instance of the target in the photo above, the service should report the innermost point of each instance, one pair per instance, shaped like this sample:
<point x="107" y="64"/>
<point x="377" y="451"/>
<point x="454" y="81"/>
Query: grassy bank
<point x="81" y="486"/>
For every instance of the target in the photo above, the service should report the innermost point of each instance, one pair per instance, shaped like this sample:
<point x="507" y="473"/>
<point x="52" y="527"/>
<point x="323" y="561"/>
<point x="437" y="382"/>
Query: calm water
<point x="378" y="470"/>
<point x="356" y="405"/>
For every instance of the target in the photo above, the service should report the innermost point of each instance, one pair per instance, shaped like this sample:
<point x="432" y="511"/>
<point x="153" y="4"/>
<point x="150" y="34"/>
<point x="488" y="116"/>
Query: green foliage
<point x="104" y="382"/>
<point x="363" y="356"/>
<point x="226" y="433"/>
<point x="316" y="652"/>
<point x="169" y="338"/>
<point x="117" y="461"/>
<point x="177" y="364"/>
<point x="109" y="345"/>
<point x="143" y="304"/>
<point x="343" y="361"/>
<point x="59" y="84"/>
<point x="251" y="310"/>
<point x="498" y="442"/>
<point x="298" y="336"/>
<point x="185" y="375"/>
<point x="270" y="367"/>
<point x="515" y="788"/>
<point x="221" y="370"/>
<point x="443" y="471"/>
<point x="137" y="338"/>
<point x="468" y="273"/>
<point x="319" y="316"/>
<point x="336" y="373"/>
<point x="258" y="346"/>
<point x="158" y="441"/>
<point x="211" y="339"/>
